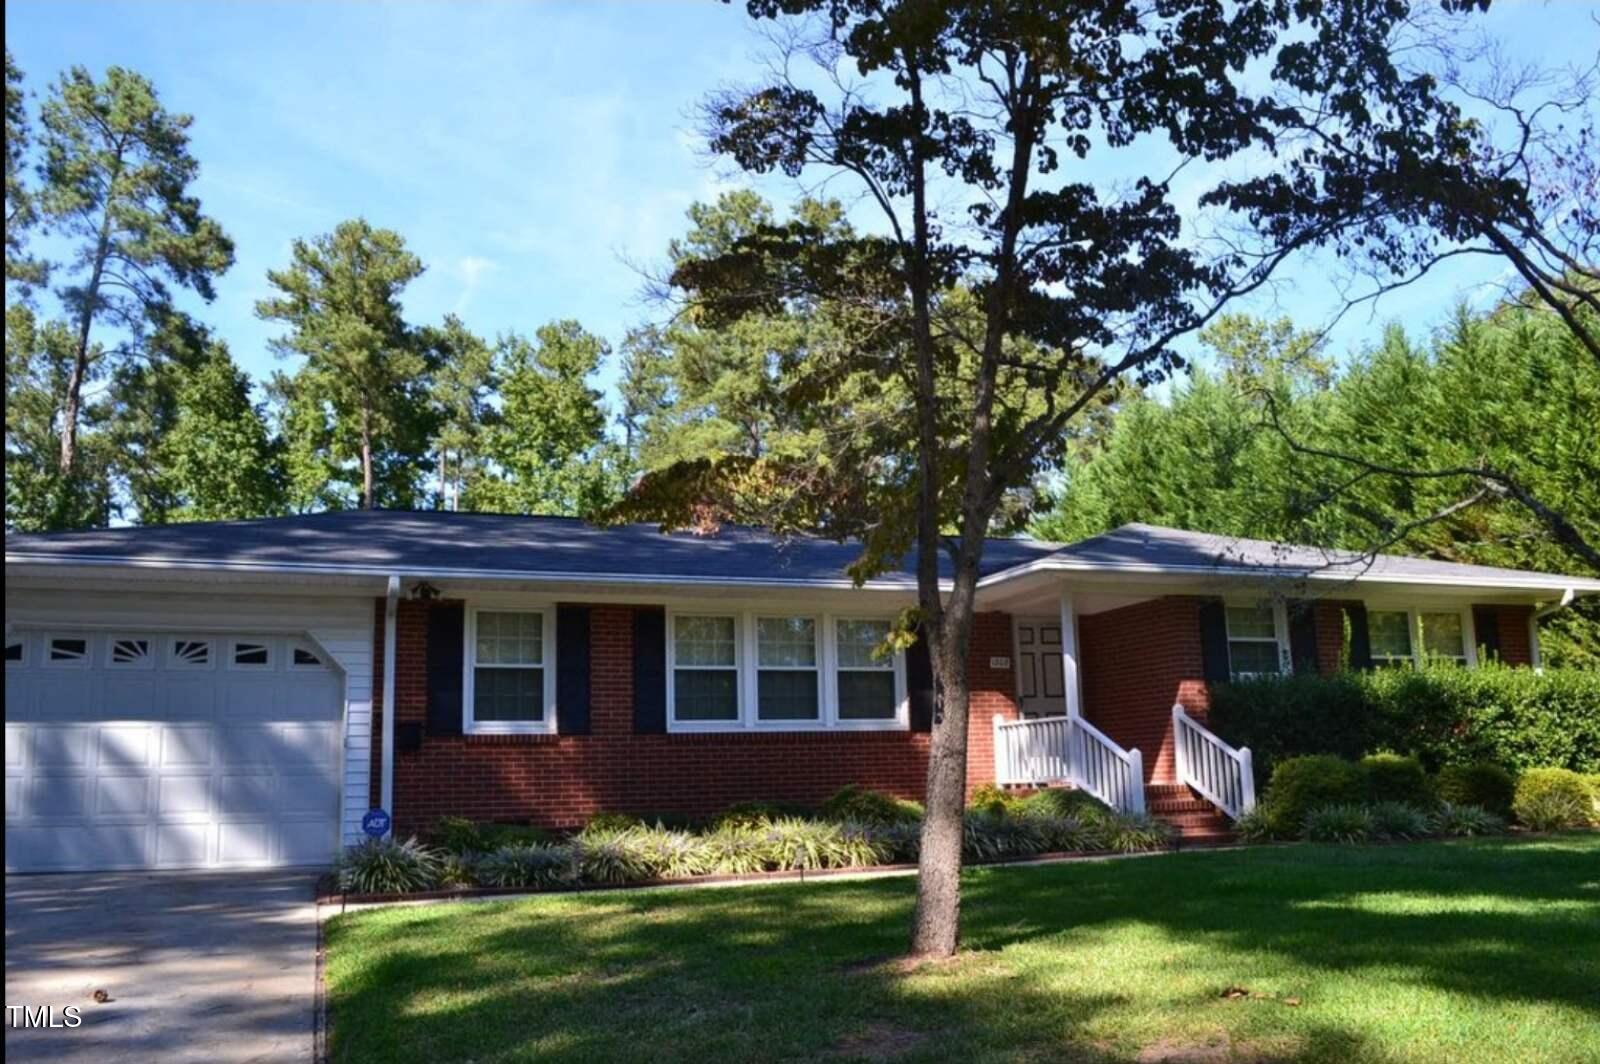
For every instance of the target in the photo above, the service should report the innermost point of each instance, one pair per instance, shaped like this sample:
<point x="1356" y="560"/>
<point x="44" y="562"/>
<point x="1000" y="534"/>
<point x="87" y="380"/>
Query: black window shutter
<point x="919" y="683"/>
<point x="1360" y="638"/>
<point x="1486" y="627"/>
<point x="649" y="671"/>
<point x="446" y="644"/>
<point x="572" y="670"/>
<point x="1214" y="641"/>
<point x="1303" y="635"/>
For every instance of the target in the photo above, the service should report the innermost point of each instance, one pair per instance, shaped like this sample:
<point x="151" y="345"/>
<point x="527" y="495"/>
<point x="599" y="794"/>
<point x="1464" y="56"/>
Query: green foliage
<point x="534" y="866"/>
<point x="1444" y="715"/>
<point x="1259" y="826"/>
<point x="464" y="379"/>
<point x="1136" y="833"/>
<point x="388" y="866"/>
<point x="856" y="803"/>
<point x="1061" y="801"/>
<point x="613" y="822"/>
<point x="21" y="211"/>
<point x="218" y="456"/>
<point x="1339" y="823"/>
<point x="756" y="814"/>
<point x="1400" y="821"/>
<point x="734" y="848"/>
<point x="1301" y="784"/>
<point x="1552" y="799"/>
<point x="792" y="843"/>
<point x="1482" y="784"/>
<point x="1392" y="778"/>
<point x="992" y="836"/>
<point x="991" y="799"/>
<point x="1465" y="821"/>
<point x="613" y="857"/>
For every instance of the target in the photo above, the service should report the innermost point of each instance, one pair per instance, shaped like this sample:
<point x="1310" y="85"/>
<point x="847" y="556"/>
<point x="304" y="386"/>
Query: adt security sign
<point x="375" y="823"/>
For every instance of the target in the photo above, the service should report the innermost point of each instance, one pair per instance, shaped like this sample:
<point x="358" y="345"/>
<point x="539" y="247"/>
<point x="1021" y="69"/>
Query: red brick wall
<point x="560" y="781"/>
<point x="1138" y="661"/>
<point x="1514" y="645"/>
<point x="1330" y="637"/>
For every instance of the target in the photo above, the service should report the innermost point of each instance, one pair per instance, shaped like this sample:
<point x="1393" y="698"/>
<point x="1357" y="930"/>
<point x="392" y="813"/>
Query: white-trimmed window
<point x="866" y="689"/>
<point x="788" y="668"/>
<point x="798" y="671"/>
<point x="1389" y="633"/>
<point x="1255" y="643"/>
<point x="510" y="673"/>
<point x="16" y="651"/>
<point x="250" y="654"/>
<point x="1444" y="635"/>
<point x="67" y="651"/>
<point x="704" y="685"/>
<point x="130" y="652"/>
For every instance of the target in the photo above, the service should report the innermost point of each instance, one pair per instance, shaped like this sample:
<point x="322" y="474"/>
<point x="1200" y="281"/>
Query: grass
<point x="1481" y="950"/>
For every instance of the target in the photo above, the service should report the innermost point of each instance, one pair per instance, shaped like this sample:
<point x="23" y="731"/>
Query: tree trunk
<point x="91" y="297"/>
<point x="936" y="926"/>
<point x="366" y="459"/>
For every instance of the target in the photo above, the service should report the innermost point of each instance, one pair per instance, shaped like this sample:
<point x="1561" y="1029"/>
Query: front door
<point x="1040" y="690"/>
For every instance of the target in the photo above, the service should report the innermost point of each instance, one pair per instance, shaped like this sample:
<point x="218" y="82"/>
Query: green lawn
<point x="1469" y="951"/>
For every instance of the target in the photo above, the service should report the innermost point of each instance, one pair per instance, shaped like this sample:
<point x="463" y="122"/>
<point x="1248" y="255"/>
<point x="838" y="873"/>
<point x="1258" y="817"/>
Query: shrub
<point x="1465" y="820"/>
<point x="1061" y="801"/>
<point x="671" y="854"/>
<point x="1258" y="825"/>
<point x="1344" y="822"/>
<point x="793" y="842"/>
<point x="1301" y="784"/>
<point x="1482" y="784"/>
<point x="458" y="869"/>
<point x="499" y="836"/>
<point x="1594" y="793"/>
<point x="456" y="834"/>
<point x="387" y="866"/>
<point x="988" y="798"/>
<point x="898" y="843"/>
<point x="755" y="814"/>
<point x="990" y="836"/>
<point x="613" y="857"/>
<point x="1442" y="715"/>
<point x="1399" y="820"/>
<point x="736" y="849"/>
<point x="1066" y="833"/>
<point x="1135" y="833"/>
<point x="1392" y="778"/>
<point x="526" y="866"/>
<point x="862" y="806"/>
<point x="613" y="822"/>
<point x="1550" y="799"/>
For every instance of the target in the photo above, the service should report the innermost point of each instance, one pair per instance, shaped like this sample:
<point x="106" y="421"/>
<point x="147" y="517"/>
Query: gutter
<point x="390" y="608"/>
<point x="1567" y="598"/>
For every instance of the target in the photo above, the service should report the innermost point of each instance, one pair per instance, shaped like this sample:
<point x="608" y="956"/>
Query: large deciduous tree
<point x="361" y="395"/>
<point x="116" y="177"/>
<point x="1043" y="159"/>
<point x="218" y="456"/>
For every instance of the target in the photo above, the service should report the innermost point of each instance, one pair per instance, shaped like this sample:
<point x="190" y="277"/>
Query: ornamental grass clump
<point x="1136" y="833"/>
<point x="1259" y="825"/>
<point x="613" y="857"/>
<point x="1465" y="821"/>
<point x="1399" y="821"/>
<point x="1066" y="833"/>
<point x="735" y="849"/>
<point x="388" y="866"/>
<point x="989" y="836"/>
<point x="1339" y="823"/>
<point x="527" y="866"/>
<point x="794" y="843"/>
<point x="1553" y="799"/>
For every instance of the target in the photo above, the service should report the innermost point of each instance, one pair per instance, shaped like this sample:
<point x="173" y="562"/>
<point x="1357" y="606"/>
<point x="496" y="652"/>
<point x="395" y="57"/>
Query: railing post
<point x="1247" y="781"/>
<point x="1002" y="767"/>
<point x="1136" y="787"/>
<point x="1180" y="760"/>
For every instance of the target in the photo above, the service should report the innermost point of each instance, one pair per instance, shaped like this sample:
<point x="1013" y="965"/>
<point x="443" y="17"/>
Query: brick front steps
<point x="1195" y="821"/>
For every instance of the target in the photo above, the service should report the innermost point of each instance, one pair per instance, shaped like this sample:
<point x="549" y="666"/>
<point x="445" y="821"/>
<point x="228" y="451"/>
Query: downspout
<point x="390" y="609"/>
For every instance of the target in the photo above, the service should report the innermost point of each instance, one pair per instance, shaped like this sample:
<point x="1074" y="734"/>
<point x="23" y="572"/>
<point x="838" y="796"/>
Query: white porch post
<point x="1070" y="677"/>
<point x="386" y="773"/>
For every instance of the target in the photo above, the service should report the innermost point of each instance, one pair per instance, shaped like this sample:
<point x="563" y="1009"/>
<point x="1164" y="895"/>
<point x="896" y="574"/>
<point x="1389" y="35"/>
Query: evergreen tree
<point x="218" y="455"/>
<point x="21" y="211"/>
<point x="463" y="382"/>
<point x="361" y="398"/>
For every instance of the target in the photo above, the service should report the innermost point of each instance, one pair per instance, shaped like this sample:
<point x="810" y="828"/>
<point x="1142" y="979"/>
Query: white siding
<point x="341" y="624"/>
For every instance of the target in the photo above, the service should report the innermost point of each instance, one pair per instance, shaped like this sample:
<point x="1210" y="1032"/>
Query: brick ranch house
<point x="241" y="693"/>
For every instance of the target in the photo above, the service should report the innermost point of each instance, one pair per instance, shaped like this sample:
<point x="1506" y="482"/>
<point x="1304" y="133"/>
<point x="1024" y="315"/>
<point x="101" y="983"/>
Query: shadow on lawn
<point x="785" y="973"/>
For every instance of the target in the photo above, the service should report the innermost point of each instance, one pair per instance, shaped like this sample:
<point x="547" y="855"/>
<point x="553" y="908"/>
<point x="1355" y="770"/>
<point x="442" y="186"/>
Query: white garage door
<point x="169" y="750"/>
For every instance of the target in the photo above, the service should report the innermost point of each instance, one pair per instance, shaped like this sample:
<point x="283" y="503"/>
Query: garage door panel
<point x="245" y="842"/>
<point x="171" y="764"/>
<point x="122" y="796"/>
<point x="125" y="746"/>
<point x="58" y="746"/>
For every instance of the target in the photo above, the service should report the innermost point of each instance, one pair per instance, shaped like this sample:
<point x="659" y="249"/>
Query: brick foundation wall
<point x="1138" y="661"/>
<point x="561" y="781"/>
<point x="1515" y="648"/>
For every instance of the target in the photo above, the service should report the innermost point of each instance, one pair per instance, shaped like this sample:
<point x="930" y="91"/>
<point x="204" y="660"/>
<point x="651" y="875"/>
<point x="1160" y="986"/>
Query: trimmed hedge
<point x="1442" y="715"/>
<point x="1392" y="778"/>
<point x="1301" y="784"/>
<point x="1550" y="799"/>
<point x="1485" y="785"/>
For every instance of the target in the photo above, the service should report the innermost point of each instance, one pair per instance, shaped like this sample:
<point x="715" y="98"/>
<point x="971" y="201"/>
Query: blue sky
<point x="530" y="153"/>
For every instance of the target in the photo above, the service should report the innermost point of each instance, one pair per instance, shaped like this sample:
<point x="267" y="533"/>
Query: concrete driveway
<point x="213" y="966"/>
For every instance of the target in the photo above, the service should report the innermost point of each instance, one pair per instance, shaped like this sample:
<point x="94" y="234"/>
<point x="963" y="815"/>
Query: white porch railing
<point x="1223" y="776"/>
<point x="1068" y="750"/>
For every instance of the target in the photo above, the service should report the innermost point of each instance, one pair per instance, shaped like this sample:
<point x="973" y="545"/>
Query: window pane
<point x="705" y="694"/>
<point x="508" y="694"/>
<point x="866" y="695"/>
<point x="1390" y="633"/>
<point x="1251" y="622"/>
<point x="1253" y="656"/>
<point x="510" y="638"/>
<point x="857" y="640"/>
<point x="1442" y="635"/>
<point x="703" y="640"/>
<point x="786" y="641"/>
<point x="787" y="695"/>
